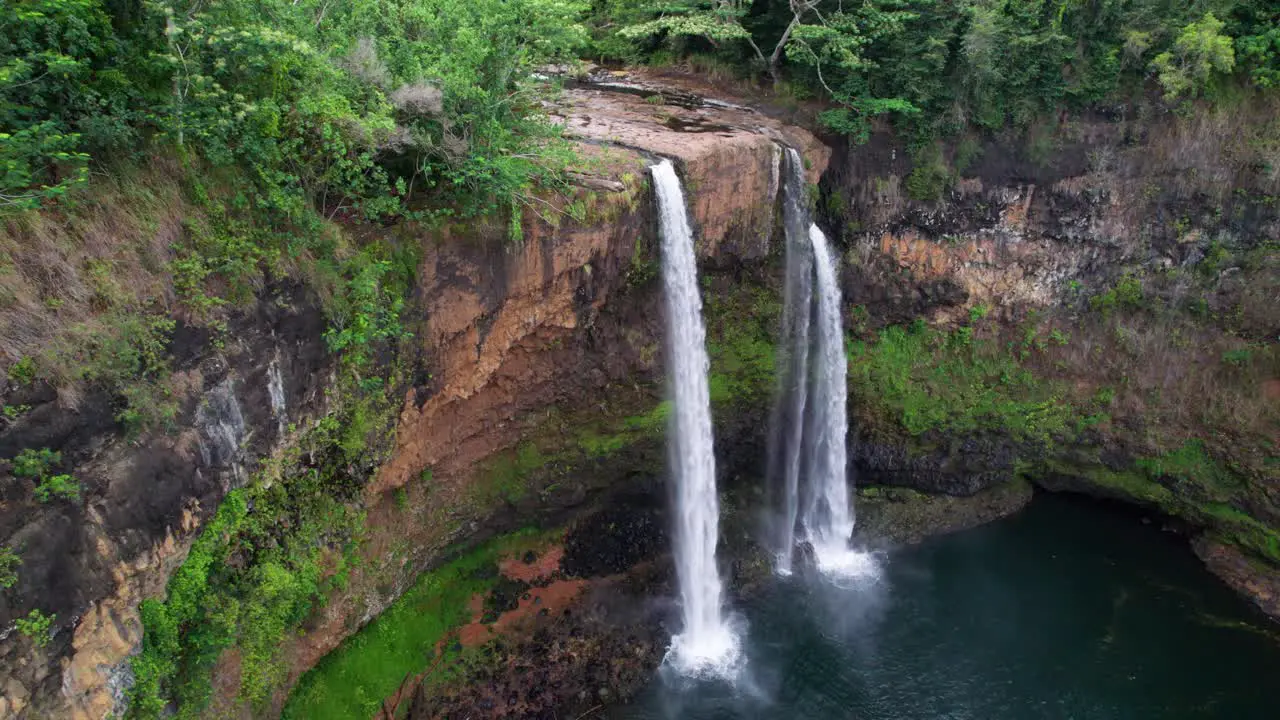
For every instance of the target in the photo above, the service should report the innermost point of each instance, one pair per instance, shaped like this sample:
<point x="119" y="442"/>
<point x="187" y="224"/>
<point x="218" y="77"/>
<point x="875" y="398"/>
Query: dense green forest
<point x="352" y="107"/>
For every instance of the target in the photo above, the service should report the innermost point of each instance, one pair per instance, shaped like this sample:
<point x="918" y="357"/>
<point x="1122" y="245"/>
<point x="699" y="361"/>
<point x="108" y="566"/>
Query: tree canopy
<point x="356" y="105"/>
<point x="345" y="103"/>
<point x="941" y="65"/>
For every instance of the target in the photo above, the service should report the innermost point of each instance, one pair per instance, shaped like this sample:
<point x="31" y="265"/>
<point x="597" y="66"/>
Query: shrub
<point x="63" y="487"/>
<point x="9" y="562"/>
<point x="1200" y="52"/>
<point x="1238" y="358"/>
<point x="23" y="371"/>
<point x="928" y="180"/>
<point x="36" y="626"/>
<point x="1127" y="294"/>
<point x="32" y="463"/>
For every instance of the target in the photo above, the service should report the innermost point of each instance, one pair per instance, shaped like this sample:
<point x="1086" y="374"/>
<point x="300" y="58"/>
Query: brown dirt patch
<point x="543" y="567"/>
<point x="547" y="600"/>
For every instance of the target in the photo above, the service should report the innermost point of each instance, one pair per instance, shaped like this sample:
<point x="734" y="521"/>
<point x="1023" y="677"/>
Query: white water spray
<point x="707" y="645"/>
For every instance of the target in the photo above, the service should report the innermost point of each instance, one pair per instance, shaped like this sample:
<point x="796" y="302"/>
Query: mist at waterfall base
<point x="1071" y="609"/>
<point x="707" y="644"/>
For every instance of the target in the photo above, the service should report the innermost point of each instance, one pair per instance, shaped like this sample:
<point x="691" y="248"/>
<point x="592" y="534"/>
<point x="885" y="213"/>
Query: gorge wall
<point x="530" y="390"/>
<point x="527" y="362"/>
<point x="1100" y="293"/>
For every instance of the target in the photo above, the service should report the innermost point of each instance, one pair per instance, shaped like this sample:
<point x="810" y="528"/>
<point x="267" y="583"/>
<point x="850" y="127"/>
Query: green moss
<point x="507" y="475"/>
<point x="1191" y="464"/>
<point x="609" y="437"/>
<point x="351" y="681"/>
<point x="742" y="321"/>
<point x="930" y="380"/>
<point x="1132" y="485"/>
<point x="1240" y="528"/>
<point x="653" y="421"/>
<point x="600" y="445"/>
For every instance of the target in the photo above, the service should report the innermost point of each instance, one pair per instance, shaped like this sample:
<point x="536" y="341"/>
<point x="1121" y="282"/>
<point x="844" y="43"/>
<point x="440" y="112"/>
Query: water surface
<point x="1070" y="610"/>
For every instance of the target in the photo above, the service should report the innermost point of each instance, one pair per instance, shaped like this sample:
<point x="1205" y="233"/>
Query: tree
<point x="1200" y="53"/>
<point x="825" y="42"/>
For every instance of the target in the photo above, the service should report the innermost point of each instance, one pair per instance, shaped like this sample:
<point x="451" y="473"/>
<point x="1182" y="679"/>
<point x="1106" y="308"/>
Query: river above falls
<point x="1070" y="610"/>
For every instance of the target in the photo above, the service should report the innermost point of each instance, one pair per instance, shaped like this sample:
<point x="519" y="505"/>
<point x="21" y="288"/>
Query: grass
<point x="351" y="681"/>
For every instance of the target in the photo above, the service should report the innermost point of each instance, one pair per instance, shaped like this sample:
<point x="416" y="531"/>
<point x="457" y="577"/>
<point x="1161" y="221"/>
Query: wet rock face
<point x="956" y="466"/>
<point x="632" y="529"/>
<point x="222" y="429"/>
<point x="1240" y="572"/>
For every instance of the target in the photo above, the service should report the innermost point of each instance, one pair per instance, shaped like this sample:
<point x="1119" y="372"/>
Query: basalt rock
<point x="959" y="466"/>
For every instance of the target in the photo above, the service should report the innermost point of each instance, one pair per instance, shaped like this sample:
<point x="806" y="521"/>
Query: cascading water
<point x="807" y="455"/>
<point x="707" y="644"/>
<point x="787" y="421"/>
<point x="828" y="517"/>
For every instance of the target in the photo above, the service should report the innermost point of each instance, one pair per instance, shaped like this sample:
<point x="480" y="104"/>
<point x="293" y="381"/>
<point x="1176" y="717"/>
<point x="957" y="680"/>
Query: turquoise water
<point x="1070" y="610"/>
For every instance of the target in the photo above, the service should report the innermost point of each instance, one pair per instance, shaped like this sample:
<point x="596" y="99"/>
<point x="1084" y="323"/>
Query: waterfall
<point x="706" y="643"/>
<point x="828" y="517"/>
<point x="787" y="421"/>
<point x="808" y="460"/>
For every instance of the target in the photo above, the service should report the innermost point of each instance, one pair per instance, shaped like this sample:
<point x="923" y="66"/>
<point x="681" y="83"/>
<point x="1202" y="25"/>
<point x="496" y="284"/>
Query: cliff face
<point x="1109" y="283"/>
<point x="532" y="349"/>
<point x="90" y="564"/>
<point x="509" y="340"/>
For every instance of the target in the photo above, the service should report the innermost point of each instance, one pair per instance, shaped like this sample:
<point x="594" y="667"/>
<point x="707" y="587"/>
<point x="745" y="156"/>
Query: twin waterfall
<point x="807" y="458"/>
<point x="807" y="463"/>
